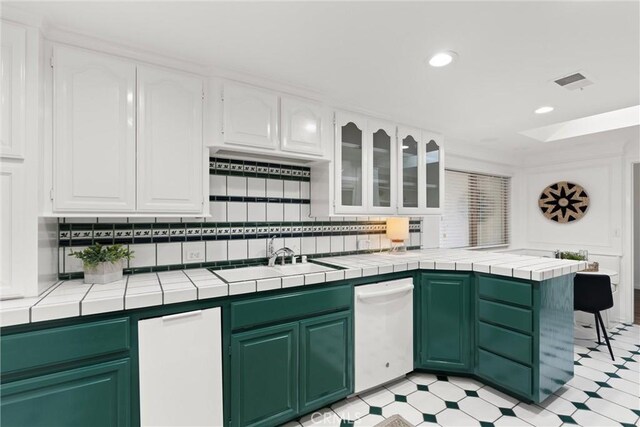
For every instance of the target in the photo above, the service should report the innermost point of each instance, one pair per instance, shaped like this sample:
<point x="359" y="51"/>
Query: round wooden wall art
<point x="563" y="202"/>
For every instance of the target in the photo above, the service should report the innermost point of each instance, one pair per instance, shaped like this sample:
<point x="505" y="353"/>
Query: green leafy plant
<point x="572" y="255"/>
<point x="95" y="254"/>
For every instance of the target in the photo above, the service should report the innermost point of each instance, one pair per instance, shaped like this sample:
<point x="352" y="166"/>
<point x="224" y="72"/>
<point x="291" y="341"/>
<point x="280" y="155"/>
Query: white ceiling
<point x="372" y="54"/>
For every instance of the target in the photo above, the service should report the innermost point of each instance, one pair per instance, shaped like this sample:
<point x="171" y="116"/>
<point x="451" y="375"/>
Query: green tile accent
<point x="346" y="423"/>
<point x="486" y="424"/>
<point x="593" y="394"/>
<point x="423" y="387"/>
<point x="375" y="410"/>
<point x="580" y="405"/>
<point x="400" y="398"/>
<point x="603" y="384"/>
<point x="452" y="405"/>
<point x="508" y="412"/>
<point x="429" y="418"/>
<point x="471" y="393"/>
<point x="567" y="419"/>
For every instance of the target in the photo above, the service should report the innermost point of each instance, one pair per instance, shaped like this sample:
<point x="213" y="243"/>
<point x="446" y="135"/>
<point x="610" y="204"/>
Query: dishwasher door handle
<point x="370" y="295"/>
<point x="181" y="315"/>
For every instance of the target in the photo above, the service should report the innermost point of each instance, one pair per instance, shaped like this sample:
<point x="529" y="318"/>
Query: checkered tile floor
<point x="602" y="393"/>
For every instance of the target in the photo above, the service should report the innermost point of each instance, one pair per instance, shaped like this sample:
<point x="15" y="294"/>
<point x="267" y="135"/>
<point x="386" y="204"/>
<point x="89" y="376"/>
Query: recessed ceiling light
<point x="442" y="58"/>
<point x="544" y="110"/>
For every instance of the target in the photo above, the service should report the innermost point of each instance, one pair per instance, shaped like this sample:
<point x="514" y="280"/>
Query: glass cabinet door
<point x="381" y="177"/>
<point x="432" y="164"/>
<point x="409" y="163"/>
<point x="351" y="149"/>
<point x="382" y="156"/>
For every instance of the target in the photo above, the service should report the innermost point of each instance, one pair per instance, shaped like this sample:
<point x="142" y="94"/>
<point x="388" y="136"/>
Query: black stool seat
<point x="592" y="294"/>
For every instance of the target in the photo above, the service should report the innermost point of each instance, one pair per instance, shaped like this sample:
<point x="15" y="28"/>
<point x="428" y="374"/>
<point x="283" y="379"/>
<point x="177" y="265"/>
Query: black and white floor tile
<point x="602" y="393"/>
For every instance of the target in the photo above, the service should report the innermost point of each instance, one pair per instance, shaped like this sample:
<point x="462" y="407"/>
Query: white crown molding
<point x="57" y="35"/>
<point x="19" y="16"/>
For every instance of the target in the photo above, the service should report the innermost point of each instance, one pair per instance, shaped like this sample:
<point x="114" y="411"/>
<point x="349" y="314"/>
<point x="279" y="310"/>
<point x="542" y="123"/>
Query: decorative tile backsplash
<point x="250" y="202"/>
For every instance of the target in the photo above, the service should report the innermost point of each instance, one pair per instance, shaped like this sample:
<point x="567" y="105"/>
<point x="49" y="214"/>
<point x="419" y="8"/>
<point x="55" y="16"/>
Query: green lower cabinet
<point x="264" y="375"/>
<point x="280" y="372"/>
<point x="325" y="360"/>
<point x="444" y="322"/>
<point x="96" y="395"/>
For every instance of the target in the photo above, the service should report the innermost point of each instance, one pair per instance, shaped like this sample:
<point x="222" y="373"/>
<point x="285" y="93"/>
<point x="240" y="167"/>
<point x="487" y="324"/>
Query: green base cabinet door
<point x="264" y="375"/>
<point x="325" y="360"/>
<point x="96" y="395"/>
<point x="445" y="322"/>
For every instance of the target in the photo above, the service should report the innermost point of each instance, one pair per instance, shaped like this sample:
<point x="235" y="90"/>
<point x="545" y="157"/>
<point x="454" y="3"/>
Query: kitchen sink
<point x="290" y="269"/>
<point x="264" y="272"/>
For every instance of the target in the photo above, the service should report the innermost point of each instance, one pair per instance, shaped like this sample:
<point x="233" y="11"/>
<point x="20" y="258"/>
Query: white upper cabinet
<point x="170" y="149"/>
<point x="127" y="138"/>
<point x="302" y="126"/>
<point x="411" y="174"/>
<point x="350" y="163"/>
<point x="248" y="120"/>
<point x="434" y="171"/>
<point x="94" y="132"/>
<point x="382" y="164"/>
<point x="379" y="169"/>
<point x="13" y="90"/>
<point x="421" y="176"/>
<point x="250" y="117"/>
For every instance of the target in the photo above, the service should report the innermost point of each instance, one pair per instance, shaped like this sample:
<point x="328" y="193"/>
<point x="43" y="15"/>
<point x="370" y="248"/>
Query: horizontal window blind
<point x="476" y="210"/>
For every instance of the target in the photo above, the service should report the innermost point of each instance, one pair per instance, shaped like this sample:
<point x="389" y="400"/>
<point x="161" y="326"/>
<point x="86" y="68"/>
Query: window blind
<point x="476" y="210"/>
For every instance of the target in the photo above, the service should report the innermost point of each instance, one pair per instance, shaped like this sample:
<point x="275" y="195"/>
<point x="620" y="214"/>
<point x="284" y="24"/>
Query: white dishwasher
<point x="383" y="332"/>
<point x="181" y="369"/>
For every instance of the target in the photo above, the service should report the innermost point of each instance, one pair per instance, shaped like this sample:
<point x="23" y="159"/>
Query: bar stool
<point x="592" y="294"/>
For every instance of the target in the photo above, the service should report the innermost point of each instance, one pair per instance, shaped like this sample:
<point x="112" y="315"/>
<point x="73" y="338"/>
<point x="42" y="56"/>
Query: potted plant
<point x="103" y="264"/>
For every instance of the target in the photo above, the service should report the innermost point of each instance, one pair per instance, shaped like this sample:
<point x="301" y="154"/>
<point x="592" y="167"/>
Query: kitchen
<point x="319" y="213"/>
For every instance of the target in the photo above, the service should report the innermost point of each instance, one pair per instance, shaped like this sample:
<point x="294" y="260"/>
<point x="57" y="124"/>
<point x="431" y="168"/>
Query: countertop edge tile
<point x="191" y="285"/>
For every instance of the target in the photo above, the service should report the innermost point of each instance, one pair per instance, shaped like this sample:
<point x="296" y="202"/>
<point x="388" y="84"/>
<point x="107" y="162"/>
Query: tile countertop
<point x="73" y="298"/>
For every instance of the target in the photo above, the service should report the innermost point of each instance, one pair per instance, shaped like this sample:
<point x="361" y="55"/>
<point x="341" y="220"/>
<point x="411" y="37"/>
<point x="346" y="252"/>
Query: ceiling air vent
<point x="573" y="81"/>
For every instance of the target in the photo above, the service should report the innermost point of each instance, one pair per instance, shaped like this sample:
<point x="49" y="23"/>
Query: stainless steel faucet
<point x="274" y="254"/>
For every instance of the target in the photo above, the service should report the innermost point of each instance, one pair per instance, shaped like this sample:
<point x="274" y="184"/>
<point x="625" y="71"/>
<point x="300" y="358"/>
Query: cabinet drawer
<point x="513" y="345"/>
<point x="295" y="305"/>
<point x="505" y="372"/>
<point x="506" y="315"/>
<point x="64" y="344"/>
<point x="509" y="291"/>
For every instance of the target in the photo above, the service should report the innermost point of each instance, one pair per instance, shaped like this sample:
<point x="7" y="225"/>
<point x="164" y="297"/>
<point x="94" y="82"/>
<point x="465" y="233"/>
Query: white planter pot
<point x="104" y="272"/>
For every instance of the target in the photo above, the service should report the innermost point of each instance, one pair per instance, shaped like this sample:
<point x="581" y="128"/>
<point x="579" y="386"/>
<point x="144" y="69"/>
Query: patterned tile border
<point x="120" y="233"/>
<point x="257" y="199"/>
<point x="219" y="166"/>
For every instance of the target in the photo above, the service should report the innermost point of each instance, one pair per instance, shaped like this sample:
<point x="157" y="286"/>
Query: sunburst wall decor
<point x="564" y="202"/>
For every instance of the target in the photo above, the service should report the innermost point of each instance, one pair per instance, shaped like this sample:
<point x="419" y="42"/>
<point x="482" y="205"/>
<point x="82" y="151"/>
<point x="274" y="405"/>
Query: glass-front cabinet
<point x="382" y="169"/>
<point x="350" y="162"/>
<point x="420" y="159"/>
<point x="434" y="168"/>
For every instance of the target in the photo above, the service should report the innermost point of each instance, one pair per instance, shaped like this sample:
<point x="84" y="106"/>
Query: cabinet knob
<point x="387" y="365"/>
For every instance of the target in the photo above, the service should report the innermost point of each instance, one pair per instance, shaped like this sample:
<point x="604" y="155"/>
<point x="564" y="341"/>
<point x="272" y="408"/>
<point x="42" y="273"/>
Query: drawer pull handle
<point x="181" y="315"/>
<point x="390" y="292"/>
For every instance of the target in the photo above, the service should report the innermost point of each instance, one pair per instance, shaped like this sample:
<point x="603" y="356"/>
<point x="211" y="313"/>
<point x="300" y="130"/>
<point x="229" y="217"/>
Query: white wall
<point x="599" y="231"/>
<point x="602" y="165"/>
<point x="636" y="224"/>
